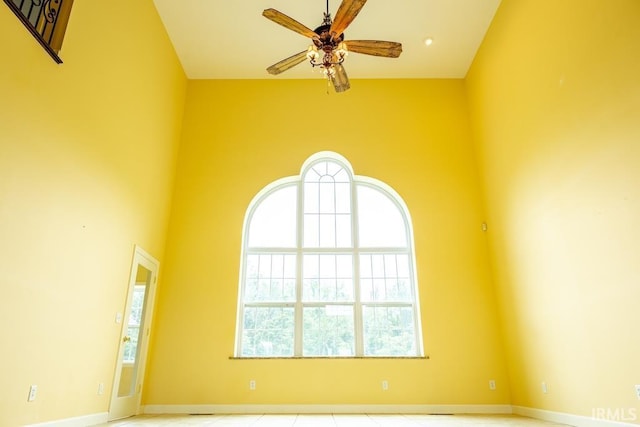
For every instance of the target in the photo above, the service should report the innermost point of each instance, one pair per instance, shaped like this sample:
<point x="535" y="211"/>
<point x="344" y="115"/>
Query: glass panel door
<point x="127" y="385"/>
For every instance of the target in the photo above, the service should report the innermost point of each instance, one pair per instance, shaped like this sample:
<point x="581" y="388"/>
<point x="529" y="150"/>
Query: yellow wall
<point x="87" y="161"/>
<point x="555" y="105"/>
<point x="241" y="135"/>
<point x="87" y="168"/>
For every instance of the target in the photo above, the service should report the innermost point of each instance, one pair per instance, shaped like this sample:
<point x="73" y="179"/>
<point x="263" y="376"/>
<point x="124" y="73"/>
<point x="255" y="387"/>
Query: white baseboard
<point x="83" y="421"/>
<point x="597" y="420"/>
<point x="327" y="409"/>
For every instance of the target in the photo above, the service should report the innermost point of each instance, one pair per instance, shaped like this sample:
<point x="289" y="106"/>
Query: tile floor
<point x="329" y="420"/>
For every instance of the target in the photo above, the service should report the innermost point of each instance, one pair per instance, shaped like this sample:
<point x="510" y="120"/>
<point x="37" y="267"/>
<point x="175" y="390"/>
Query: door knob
<point x="126" y="339"/>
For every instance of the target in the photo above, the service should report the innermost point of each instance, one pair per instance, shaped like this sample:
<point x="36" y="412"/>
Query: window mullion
<point x="357" y="309"/>
<point x="297" y="341"/>
<point x="335" y="216"/>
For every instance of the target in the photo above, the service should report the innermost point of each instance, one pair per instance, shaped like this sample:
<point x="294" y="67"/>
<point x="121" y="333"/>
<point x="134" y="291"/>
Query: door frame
<point x="144" y="259"/>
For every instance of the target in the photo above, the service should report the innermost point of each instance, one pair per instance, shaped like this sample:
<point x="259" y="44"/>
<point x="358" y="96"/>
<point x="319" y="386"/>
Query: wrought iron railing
<point x="45" y="19"/>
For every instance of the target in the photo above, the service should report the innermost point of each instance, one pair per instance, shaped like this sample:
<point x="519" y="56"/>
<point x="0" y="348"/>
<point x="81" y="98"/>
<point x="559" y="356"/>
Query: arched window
<point x="328" y="268"/>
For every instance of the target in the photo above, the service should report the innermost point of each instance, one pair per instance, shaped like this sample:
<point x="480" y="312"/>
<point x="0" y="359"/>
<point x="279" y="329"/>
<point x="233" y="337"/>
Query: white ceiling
<point x="231" y="39"/>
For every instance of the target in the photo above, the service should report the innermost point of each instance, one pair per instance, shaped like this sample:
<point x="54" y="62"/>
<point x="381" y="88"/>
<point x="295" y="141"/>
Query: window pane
<point x="269" y="277"/>
<point x="343" y="198"/>
<point x="380" y="222"/>
<point x="273" y="223"/>
<point x="311" y="289"/>
<point x="252" y="266"/>
<point x="344" y="290"/>
<point x="379" y="290"/>
<point x="377" y="266"/>
<point x="311" y="231"/>
<point x="311" y="197"/>
<point x="327" y="231"/>
<point x="344" y="266"/>
<point x="390" y="268"/>
<point x="311" y="278"/>
<point x="333" y="169"/>
<point x="391" y="285"/>
<point x="388" y="331"/>
<point x="268" y="331"/>
<point x="327" y="265"/>
<point x="289" y="290"/>
<point x="311" y="267"/>
<point x="403" y="265"/>
<point x="290" y="266"/>
<point x="405" y="292"/>
<point x="366" y="290"/>
<point x="327" y="197"/>
<point x="328" y="331"/>
<point x="264" y="292"/>
<point x="320" y="169"/>
<point x="312" y="175"/>
<point x="343" y="231"/>
<point x="365" y="266"/>
<point x="342" y="176"/>
<point x="251" y="290"/>
<point x="264" y="266"/>
<point x="328" y="290"/>
<point x="327" y="278"/>
<point x="277" y="266"/>
<point x="385" y="278"/>
<point x="277" y="290"/>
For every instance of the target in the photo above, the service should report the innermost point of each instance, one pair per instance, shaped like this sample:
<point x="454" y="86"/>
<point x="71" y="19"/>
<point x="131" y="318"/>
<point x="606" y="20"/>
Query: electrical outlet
<point x="385" y="385"/>
<point x="638" y="391"/>
<point x="100" y="389"/>
<point x="33" y="391"/>
<point x="492" y="384"/>
<point x="252" y="384"/>
<point x="544" y="387"/>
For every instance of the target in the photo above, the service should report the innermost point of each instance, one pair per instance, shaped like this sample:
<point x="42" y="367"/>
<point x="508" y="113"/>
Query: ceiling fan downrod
<point x="334" y="52"/>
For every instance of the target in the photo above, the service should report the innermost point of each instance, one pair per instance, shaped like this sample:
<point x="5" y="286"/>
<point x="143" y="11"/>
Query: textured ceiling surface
<point x="231" y="39"/>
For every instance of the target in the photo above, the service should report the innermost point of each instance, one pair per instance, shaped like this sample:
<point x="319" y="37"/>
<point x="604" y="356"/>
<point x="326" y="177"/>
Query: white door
<point x="134" y="340"/>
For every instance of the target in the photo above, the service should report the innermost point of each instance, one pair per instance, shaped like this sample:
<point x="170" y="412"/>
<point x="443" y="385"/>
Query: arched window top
<point x="328" y="268"/>
<point x="326" y="159"/>
<point x="327" y="171"/>
<point x="329" y="187"/>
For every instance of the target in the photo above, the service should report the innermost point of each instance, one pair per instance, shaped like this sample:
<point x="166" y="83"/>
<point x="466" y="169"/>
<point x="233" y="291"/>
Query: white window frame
<point x="355" y="250"/>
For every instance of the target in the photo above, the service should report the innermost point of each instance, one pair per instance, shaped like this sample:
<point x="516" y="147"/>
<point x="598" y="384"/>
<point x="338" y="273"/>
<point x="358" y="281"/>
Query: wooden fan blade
<point x="346" y="13"/>
<point x="285" y="64"/>
<point x="287" y="22"/>
<point x="375" y="48"/>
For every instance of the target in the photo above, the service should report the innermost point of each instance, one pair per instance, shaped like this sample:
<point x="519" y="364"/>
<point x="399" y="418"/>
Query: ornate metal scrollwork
<point x="41" y="18"/>
<point x="51" y="10"/>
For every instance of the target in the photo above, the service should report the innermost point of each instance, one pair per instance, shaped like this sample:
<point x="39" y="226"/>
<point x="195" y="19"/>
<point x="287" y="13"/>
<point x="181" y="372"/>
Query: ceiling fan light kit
<point x="329" y="49"/>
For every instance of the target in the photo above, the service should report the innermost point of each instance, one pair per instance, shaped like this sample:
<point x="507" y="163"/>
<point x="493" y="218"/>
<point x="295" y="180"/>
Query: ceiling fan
<point x="329" y="48"/>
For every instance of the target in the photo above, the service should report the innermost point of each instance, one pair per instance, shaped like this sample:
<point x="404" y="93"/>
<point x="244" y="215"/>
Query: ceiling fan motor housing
<point x="324" y="41"/>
